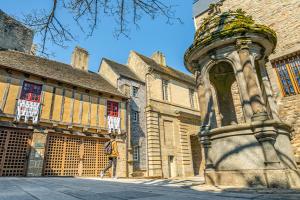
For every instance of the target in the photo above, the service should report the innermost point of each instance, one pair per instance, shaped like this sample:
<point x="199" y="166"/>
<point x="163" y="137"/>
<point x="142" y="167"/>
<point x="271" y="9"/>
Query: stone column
<point x="153" y="144"/>
<point x="240" y="78"/>
<point x="206" y="109"/>
<point x="268" y="91"/>
<point x="256" y="101"/>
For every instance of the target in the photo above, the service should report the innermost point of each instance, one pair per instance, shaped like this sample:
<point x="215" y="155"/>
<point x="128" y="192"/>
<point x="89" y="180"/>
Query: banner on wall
<point x="114" y="124"/>
<point x="28" y="110"/>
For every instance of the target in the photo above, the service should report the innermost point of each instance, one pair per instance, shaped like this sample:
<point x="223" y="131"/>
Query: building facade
<point x="54" y="117"/>
<point x="127" y="82"/>
<point x="172" y="118"/>
<point x="283" y="66"/>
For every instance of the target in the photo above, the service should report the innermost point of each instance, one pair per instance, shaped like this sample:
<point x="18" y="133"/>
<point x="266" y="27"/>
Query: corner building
<point x="54" y="117"/>
<point x="172" y="118"/>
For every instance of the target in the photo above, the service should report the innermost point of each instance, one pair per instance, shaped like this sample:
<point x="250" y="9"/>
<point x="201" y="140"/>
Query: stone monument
<point x="252" y="148"/>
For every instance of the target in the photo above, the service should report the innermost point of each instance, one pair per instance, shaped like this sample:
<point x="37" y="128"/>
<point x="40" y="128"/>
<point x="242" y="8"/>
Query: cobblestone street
<point x="123" y="189"/>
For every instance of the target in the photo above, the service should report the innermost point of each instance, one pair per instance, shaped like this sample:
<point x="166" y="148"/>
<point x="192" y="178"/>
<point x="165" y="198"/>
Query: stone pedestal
<point x="248" y="155"/>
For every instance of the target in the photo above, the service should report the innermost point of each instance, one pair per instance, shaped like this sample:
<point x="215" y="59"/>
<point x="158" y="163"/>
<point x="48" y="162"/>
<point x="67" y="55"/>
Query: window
<point x="112" y="109"/>
<point x="126" y="90"/>
<point x="191" y="94"/>
<point x="165" y="87"/>
<point x="31" y="92"/>
<point x="135" y="116"/>
<point x="136" y="152"/>
<point x="288" y="72"/>
<point x="135" y="91"/>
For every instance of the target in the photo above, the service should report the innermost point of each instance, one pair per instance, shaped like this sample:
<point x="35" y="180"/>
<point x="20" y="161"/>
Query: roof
<point x="123" y="70"/>
<point x="168" y="70"/>
<point x="57" y="71"/>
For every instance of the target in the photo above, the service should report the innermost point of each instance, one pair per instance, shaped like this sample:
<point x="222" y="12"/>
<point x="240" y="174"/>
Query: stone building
<point x="13" y="35"/>
<point x="172" y="118"/>
<point x="127" y="82"/>
<point x="54" y="117"/>
<point x="246" y="59"/>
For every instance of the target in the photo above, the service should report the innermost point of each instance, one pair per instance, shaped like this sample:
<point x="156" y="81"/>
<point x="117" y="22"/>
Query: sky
<point x="152" y="35"/>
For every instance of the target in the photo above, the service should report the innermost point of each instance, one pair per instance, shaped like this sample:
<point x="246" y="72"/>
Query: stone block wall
<point x="14" y="35"/>
<point x="284" y="18"/>
<point x="138" y="129"/>
<point x="122" y="160"/>
<point x="37" y="154"/>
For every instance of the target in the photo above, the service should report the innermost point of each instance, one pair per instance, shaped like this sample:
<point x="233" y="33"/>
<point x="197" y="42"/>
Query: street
<point x="122" y="189"/>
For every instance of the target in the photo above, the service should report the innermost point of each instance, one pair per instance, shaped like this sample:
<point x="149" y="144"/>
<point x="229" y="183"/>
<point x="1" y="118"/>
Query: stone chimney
<point x="80" y="58"/>
<point x="160" y="58"/>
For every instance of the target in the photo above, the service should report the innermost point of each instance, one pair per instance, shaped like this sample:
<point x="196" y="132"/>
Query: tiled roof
<point x="123" y="70"/>
<point x="168" y="70"/>
<point x="57" y="71"/>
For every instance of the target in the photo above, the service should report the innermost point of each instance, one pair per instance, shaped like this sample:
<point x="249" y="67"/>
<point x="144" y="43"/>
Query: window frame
<point x="192" y="96"/>
<point x="112" y="105"/>
<point x="134" y="88"/>
<point x="29" y="94"/>
<point x="135" y="117"/>
<point x="136" y="153"/>
<point x="286" y="70"/>
<point x="165" y="90"/>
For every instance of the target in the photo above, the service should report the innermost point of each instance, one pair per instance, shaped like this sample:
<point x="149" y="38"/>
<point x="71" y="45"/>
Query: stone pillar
<point x="37" y="154"/>
<point x="256" y="101"/>
<point x="240" y="78"/>
<point x="206" y="109"/>
<point x="205" y="141"/>
<point x="153" y="144"/>
<point x="268" y="90"/>
<point x="122" y="160"/>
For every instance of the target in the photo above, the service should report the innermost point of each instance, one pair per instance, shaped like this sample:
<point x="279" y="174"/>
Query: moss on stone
<point x="226" y="25"/>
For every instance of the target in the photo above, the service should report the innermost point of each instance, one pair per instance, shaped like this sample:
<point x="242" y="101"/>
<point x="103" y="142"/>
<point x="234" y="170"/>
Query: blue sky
<point x="155" y="35"/>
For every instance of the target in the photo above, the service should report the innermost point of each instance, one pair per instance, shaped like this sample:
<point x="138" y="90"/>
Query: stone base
<point x="254" y="178"/>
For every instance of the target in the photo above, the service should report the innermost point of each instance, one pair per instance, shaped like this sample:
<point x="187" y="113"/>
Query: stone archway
<point x="222" y="77"/>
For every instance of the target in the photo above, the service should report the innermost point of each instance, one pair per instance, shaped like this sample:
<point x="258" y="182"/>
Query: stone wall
<point x="14" y="35"/>
<point x="284" y="18"/>
<point x="138" y="129"/>
<point x="37" y="154"/>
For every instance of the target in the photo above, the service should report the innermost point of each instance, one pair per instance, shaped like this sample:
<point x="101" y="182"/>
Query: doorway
<point x="172" y="167"/>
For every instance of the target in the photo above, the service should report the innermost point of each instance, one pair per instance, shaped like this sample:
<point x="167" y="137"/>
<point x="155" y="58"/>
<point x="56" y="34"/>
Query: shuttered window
<point x="288" y="72"/>
<point x="31" y="92"/>
<point x="112" y="109"/>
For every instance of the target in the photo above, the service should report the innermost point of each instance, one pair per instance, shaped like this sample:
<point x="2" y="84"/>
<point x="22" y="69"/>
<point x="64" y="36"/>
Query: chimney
<point x="159" y="58"/>
<point x="80" y="58"/>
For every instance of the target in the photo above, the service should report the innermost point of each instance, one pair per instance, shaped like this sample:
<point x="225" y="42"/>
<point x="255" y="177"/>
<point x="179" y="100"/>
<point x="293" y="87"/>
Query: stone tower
<point x="245" y="142"/>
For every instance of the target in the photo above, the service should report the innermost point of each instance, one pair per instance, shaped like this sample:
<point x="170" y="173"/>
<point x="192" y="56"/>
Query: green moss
<point x="226" y="25"/>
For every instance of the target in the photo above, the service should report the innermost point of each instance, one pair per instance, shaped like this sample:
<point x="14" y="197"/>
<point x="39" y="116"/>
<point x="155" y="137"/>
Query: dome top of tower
<point x="224" y="28"/>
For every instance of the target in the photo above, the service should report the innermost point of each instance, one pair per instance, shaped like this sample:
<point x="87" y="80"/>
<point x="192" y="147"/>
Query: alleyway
<point x="123" y="189"/>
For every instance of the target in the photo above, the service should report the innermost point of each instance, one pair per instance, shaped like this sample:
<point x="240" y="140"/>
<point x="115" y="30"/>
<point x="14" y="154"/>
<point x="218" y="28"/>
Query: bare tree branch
<point x="88" y="13"/>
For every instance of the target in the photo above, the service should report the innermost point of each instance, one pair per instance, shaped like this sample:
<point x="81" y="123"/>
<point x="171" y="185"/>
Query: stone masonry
<point x="14" y="35"/>
<point x="284" y="18"/>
